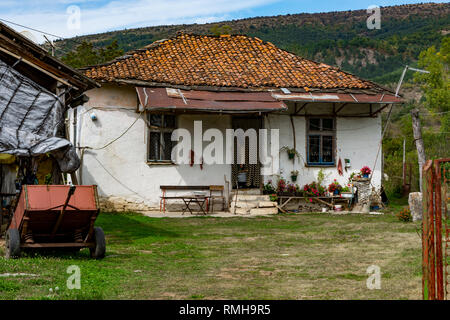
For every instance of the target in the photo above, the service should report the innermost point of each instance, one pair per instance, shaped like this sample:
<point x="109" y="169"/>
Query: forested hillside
<point x="336" y="38"/>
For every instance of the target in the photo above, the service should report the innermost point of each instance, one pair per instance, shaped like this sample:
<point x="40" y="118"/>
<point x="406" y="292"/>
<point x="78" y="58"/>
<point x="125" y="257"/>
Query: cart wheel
<point x="12" y="241"/>
<point x="100" y="244"/>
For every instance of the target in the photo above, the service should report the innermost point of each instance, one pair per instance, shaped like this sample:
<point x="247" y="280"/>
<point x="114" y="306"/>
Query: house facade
<point x="211" y="86"/>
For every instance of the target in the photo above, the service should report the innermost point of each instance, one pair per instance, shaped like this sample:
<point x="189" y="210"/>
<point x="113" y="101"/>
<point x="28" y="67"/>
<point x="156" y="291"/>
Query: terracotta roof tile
<point x="224" y="61"/>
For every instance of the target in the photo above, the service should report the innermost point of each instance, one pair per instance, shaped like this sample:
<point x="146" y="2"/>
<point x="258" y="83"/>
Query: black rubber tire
<point x="12" y="244"/>
<point x="100" y="244"/>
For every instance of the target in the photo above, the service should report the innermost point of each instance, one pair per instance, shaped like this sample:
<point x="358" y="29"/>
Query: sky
<point x="68" y="18"/>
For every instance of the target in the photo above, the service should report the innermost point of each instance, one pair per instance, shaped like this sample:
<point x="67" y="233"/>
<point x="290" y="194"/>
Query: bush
<point x="404" y="215"/>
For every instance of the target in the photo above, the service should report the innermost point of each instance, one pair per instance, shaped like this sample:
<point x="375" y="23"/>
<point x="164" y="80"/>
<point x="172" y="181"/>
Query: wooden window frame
<point x="160" y="130"/>
<point x="321" y="133"/>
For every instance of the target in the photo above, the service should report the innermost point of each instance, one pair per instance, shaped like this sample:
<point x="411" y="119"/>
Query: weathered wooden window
<point x="161" y="127"/>
<point x="320" y="141"/>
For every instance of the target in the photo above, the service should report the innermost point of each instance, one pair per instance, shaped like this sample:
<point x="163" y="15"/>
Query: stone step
<point x="244" y="204"/>
<point x="258" y="211"/>
<point x="267" y="204"/>
<point x="240" y="211"/>
<point x="253" y="204"/>
<point x="251" y="191"/>
<point x="245" y="197"/>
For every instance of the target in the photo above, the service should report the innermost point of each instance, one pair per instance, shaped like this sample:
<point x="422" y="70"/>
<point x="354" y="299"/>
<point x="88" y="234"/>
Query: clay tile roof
<point x="224" y="61"/>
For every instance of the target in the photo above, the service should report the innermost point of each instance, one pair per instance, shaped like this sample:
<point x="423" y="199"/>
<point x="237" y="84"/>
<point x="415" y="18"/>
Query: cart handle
<point x="63" y="210"/>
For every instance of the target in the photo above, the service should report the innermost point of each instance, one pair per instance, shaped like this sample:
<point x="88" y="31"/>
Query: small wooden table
<point x="325" y="200"/>
<point x="189" y="200"/>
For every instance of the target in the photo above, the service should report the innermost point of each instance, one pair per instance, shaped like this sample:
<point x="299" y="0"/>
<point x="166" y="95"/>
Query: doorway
<point x="246" y="175"/>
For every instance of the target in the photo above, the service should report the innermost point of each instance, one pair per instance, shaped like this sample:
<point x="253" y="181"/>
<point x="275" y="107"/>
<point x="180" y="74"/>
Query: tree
<point x="217" y="31"/>
<point x="85" y="54"/>
<point x="436" y="84"/>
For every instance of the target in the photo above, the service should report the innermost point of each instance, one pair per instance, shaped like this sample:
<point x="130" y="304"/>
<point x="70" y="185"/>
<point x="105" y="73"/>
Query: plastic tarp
<point x="30" y="119"/>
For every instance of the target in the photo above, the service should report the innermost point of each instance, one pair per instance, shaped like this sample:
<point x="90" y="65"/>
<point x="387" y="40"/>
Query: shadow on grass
<point x="130" y="227"/>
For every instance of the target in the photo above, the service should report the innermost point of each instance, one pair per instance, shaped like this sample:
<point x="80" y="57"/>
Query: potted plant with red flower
<point x="334" y="187"/>
<point x="281" y="186"/>
<point x="365" y="171"/>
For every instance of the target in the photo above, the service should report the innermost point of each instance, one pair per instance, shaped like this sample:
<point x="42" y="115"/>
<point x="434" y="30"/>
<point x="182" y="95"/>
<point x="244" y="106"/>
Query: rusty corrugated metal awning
<point x="208" y="101"/>
<point x="380" y="98"/>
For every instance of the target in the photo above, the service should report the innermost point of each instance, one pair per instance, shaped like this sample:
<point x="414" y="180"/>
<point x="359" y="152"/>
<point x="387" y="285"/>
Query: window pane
<point x="313" y="149"/>
<point x="169" y="121"/>
<point x="154" y="146"/>
<point x="155" y="120"/>
<point x="327" y="124"/>
<point x="314" y="124"/>
<point x="327" y="149"/>
<point x="167" y="147"/>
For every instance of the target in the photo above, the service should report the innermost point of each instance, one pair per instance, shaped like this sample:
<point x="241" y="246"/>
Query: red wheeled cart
<point x="55" y="216"/>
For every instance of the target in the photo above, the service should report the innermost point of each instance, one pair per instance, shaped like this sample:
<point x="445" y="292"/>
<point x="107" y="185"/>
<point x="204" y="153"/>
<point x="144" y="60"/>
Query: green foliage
<point x="436" y="84"/>
<point x="220" y="30"/>
<point x="321" y="176"/>
<point x="85" y="54"/>
<point x="269" y="188"/>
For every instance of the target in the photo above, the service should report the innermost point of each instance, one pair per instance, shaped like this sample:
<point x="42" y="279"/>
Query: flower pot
<point x="291" y="155"/>
<point x="336" y="192"/>
<point x="365" y="175"/>
<point x="346" y="195"/>
<point x="242" y="177"/>
<point x="294" y="178"/>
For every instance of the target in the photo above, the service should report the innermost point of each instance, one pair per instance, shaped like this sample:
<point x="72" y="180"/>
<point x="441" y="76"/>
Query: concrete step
<point x="258" y="211"/>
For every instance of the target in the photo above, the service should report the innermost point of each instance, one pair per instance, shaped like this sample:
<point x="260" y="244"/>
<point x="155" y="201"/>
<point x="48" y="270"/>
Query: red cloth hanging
<point x="192" y="158"/>
<point x="339" y="167"/>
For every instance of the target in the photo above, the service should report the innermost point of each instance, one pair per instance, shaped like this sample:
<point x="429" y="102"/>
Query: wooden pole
<point x="417" y="131"/>
<point x="404" y="166"/>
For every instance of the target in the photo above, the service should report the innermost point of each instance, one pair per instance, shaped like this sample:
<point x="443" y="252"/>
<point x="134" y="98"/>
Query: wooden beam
<point x="58" y="245"/>
<point x="44" y="62"/>
<point x="51" y="75"/>
<point x="301" y="108"/>
<point x="337" y="111"/>
<point x="380" y="109"/>
<point x="330" y="115"/>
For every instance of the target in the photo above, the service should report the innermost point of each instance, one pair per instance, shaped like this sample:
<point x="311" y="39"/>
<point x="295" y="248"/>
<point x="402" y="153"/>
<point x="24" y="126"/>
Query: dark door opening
<point x="246" y="175"/>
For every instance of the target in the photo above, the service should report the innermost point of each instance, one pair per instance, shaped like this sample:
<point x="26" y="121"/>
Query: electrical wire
<point x="118" y="181"/>
<point x="120" y="136"/>
<point x="42" y="32"/>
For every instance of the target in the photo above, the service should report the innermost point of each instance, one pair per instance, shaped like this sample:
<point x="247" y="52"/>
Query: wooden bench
<point x="210" y="188"/>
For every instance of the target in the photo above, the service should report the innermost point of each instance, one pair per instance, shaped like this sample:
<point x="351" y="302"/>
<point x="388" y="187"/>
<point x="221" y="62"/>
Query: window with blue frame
<point x="320" y="141"/>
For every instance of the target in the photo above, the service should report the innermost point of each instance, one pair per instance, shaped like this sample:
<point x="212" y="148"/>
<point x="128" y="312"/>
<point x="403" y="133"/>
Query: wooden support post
<point x="417" y="131"/>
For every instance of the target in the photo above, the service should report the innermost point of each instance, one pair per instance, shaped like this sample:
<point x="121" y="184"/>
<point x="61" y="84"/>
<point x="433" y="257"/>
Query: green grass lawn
<point x="306" y="256"/>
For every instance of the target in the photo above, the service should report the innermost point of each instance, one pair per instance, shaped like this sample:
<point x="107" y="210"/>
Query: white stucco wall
<point x="121" y="169"/>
